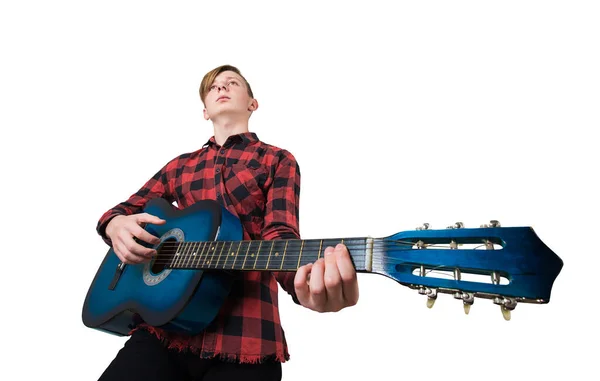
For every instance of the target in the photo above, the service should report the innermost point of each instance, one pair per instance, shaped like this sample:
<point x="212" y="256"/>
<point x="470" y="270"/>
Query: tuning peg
<point x="492" y="224"/>
<point x="431" y="295"/>
<point x="468" y="299"/>
<point x="506" y="314"/>
<point x="430" y="302"/>
<point x="506" y="306"/>
<point x="457" y="225"/>
<point x="467" y="308"/>
<point x="425" y="226"/>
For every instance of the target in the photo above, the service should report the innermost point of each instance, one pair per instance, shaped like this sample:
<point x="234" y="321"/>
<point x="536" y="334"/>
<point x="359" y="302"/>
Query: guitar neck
<point x="259" y="255"/>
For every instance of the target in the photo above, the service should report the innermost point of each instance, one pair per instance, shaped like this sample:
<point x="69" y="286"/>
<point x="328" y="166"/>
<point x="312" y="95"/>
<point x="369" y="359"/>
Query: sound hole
<point x="165" y="252"/>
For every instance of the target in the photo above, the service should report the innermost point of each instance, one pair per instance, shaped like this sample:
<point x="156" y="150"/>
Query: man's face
<point x="228" y="94"/>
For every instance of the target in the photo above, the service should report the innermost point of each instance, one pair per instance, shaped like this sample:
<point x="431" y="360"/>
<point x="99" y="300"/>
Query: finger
<point x="333" y="281"/>
<point x="117" y="250"/>
<point x="348" y="275"/>
<point x="125" y="256"/>
<point x="149" y="219"/>
<point x="301" y="284"/>
<point x="143" y="235"/>
<point x="318" y="294"/>
<point x="136" y="249"/>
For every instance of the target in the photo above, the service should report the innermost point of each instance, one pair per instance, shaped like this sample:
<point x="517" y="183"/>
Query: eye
<point x="234" y="83"/>
<point x="213" y="87"/>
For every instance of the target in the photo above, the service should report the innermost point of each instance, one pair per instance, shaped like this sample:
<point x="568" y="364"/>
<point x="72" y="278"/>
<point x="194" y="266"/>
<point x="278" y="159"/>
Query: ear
<point x="253" y="105"/>
<point x="206" y="117"/>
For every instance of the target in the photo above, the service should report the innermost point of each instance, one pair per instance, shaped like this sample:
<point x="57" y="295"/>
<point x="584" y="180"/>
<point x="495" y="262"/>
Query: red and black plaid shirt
<point x="260" y="184"/>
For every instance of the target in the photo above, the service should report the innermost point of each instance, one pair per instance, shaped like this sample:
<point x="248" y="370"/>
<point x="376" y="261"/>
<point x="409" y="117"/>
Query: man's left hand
<point x="330" y="284"/>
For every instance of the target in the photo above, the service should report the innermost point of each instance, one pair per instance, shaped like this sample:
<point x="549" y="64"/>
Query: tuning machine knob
<point x="425" y="226"/>
<point x="457" y="225"/>
<point x="492" y="224"/>
<point x="468" y="299"/>
<point x="431" y="295"/>
<point x="506" y="306"/>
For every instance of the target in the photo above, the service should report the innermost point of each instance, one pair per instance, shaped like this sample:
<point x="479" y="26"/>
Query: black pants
<point x="144" y="357"/>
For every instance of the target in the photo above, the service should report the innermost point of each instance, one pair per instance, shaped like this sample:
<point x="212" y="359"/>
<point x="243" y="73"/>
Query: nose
<point x="224" y="87"/>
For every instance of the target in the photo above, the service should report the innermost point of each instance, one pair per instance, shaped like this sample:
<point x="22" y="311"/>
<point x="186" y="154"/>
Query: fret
<point x="185" y="254"/>
<point x="282" y="258"/>
<point x="222" y="254"/>
<point x="199" y="261"/>
<point x="236" y="254"/>
<point x="225" y="255"/>
<point x="174" y="257"/>
<point x="179" y="254"/>
<point x="358" y="249"/>
<point x="269" y="259"/>
<point x="197" y="253"/>
<point x="229" y="254"/>
<point x="214" y="248"/>
<point x="276" y="254"/>
<point x="301" y="247"/>
<point x="309" y="254"/>
<point x="188" y="255"/>
<point x="289" y="261"/>
<point x="193" y="255"/>
<point x="252" y="255"/>
<point x="257" y="255"/>
<point x="214" y="258"/>
<point x="216" y="253"/>
<point x="299" y="258"/>
<point x="246" y="255"/>
<point x="323" y="244"/>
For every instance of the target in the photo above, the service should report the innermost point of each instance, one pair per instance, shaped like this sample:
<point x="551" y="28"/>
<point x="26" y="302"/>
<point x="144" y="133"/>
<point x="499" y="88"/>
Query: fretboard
<point x="257" y="255"/>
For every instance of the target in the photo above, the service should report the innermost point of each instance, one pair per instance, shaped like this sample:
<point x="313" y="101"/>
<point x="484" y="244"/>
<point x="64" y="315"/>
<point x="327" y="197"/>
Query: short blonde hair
<point x="209" y="78"/>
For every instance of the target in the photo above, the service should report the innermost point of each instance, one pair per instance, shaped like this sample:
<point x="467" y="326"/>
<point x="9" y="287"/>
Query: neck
<point x="225" y="127"/>
<point x="257" y="255"/>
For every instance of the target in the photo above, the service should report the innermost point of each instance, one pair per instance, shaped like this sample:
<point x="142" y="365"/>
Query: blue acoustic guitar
<point x="185" y="284"/>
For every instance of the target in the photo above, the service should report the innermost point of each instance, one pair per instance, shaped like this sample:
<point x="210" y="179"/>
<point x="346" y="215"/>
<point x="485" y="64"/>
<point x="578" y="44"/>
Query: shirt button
<point x="218" y="193"/>
<point x="217" y="170"/>
<point x="222" y="152"/>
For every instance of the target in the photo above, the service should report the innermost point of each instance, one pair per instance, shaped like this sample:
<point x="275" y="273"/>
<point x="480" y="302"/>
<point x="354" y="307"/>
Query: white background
<point x="425" y="111"/>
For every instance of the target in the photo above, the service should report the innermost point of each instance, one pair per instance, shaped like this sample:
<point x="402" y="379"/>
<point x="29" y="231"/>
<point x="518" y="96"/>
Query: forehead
<point x="228" y="75"/>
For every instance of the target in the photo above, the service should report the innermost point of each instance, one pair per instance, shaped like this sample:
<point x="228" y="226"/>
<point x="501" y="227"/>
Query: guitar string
<point x="379" y="258"/>
<point x="307" y="243"/>
<point x="188" y="253"/>
<point x="432" y="270"/>
<point x="171" y="250"/>
<point x="188" y="246"/>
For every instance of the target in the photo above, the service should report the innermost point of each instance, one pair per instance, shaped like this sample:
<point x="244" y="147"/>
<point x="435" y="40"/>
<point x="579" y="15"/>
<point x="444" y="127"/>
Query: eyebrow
<point x="236" y="78"/>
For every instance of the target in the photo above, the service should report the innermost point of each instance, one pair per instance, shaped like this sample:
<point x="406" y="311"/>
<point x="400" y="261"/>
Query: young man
<point x="260" y="184"/>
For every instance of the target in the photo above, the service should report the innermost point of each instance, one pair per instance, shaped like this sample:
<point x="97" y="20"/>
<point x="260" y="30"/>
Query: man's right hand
<point x="121" y="230"/>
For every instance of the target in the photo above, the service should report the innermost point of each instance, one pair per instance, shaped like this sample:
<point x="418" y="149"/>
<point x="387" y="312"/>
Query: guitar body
<point x="176" y="300"/>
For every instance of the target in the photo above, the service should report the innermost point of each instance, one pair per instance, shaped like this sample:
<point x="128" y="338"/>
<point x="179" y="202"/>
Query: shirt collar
<point x="245" y="138"/>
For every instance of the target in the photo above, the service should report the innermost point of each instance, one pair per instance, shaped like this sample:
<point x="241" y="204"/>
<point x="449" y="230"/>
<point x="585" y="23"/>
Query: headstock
<point x="505" y="264"/>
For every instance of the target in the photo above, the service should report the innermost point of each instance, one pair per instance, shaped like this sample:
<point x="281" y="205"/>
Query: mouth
<point x="222" y="97"/>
